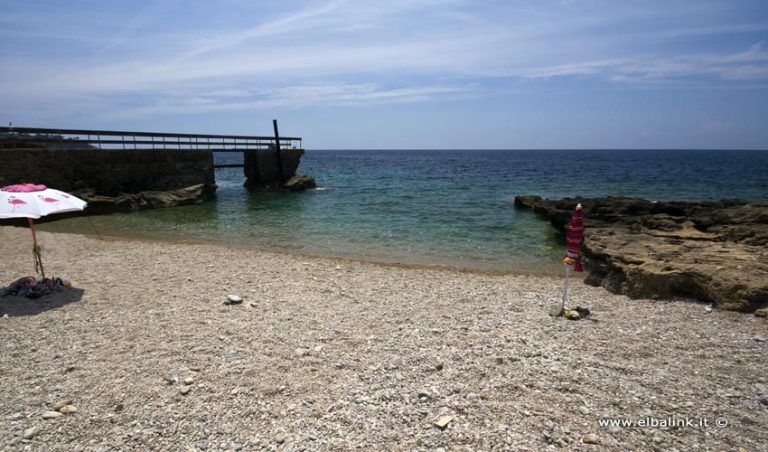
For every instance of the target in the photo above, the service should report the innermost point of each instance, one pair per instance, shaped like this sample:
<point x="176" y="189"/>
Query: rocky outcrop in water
<point x="127" y="202"/>
<point x="714" y="252"/>
<point x="300" y="182"/>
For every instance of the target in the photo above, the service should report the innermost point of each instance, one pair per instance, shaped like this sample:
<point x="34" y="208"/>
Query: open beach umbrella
<point x="572" y="259"/>
<point x="32" y="201"/>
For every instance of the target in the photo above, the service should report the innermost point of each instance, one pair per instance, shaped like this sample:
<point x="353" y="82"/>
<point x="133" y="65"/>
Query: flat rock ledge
<point x="128" y="202"/>
<point x="713" y="252"/>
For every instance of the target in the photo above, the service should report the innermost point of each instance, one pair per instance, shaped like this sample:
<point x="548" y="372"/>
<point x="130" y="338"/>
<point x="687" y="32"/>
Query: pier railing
<point x="112" y="139"/>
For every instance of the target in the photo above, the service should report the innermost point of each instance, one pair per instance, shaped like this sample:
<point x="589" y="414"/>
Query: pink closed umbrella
<point x="573" y="238"/>
<point x="32" y="201"/>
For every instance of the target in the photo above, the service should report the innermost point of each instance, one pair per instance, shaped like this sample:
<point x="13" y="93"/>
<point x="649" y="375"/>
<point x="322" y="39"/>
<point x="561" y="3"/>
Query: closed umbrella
<point x="572" y="259"/>
<point x="32" y="201"/>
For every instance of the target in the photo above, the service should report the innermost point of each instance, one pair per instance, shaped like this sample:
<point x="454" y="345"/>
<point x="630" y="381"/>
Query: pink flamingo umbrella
<point x="34" y="201"/>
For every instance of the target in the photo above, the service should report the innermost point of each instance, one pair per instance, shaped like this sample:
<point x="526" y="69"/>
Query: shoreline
<point x="326" y="354"/>
<point x="543" y="269"/>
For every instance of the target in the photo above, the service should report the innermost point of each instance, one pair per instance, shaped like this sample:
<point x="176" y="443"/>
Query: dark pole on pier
<point x="279" y="157"/>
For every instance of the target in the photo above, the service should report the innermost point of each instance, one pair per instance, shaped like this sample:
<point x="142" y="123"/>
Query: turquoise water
<point x="447" y="208"/>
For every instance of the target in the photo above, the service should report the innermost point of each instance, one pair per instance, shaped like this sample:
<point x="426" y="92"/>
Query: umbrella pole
<point x="568" y="269"/>
<point x="36" y="249"/>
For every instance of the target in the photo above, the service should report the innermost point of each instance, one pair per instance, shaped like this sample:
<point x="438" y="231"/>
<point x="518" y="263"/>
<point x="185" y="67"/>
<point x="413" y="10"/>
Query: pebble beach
<point x="145" y="352"/>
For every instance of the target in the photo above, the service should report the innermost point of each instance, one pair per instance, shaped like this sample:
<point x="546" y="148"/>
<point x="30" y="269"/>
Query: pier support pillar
<point x="263" y="169"/>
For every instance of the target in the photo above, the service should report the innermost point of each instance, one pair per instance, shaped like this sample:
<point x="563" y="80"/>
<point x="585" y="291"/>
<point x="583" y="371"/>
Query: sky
<point x="396" y="74"/>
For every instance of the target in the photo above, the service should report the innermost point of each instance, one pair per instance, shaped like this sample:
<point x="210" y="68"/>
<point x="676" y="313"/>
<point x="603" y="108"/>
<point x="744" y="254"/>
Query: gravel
<point x="328" y="354"/>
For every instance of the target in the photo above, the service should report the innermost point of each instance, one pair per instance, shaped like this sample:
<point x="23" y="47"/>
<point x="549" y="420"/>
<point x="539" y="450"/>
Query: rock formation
<point x="300" y="182"/>
<point x="126" y="202"/>
<point x="714" y="252"/>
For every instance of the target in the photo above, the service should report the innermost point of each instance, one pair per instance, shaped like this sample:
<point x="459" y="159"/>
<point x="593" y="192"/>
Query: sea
<point x="444" y="208"/>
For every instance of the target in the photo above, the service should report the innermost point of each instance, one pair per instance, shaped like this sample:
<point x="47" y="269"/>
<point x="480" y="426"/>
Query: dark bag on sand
<point x="31" y="287"/>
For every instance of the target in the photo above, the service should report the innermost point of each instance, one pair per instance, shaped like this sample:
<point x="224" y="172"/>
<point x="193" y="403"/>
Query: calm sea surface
<point x="448" y="208"/>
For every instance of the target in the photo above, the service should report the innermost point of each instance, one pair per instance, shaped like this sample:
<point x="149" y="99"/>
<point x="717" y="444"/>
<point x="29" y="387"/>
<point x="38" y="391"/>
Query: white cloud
<point x="344" y="52"/>
<point x="751" y="64"/>
<point x="293" y="96"/>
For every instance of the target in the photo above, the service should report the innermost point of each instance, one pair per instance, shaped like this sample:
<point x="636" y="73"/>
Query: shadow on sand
<point x="16" y="306"/>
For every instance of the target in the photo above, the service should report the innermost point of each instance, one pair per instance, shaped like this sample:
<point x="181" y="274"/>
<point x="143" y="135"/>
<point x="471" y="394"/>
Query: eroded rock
<point x="714" y="252"/>
<point x="300" y="182"/>
<point x="194" y="194"/>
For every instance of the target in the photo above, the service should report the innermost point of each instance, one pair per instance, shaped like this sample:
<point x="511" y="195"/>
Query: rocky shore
<point x="148" y="351"/>
<point x="713" y="252"/>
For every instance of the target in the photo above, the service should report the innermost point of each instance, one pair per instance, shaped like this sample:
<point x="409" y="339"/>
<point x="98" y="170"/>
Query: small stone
<point x="759" y="339"/>
<point x="746" y="420"/>
<point x="16" y="416"/>
<point x="31" y="432"/>
<point x="17" y="439"/>
<point x="708" y="309"/>
<point x="590" y="438"/>
<point x="115" y="419"/>
<point x="443" y="421"/>
<point x="583" y="410"/>
<point x="185" y="389"/>
<point x="67" y="409"/>
<point x="555" y="310"/>
<point x="253" y="305"/>
<point x="57" y="406"/>
<point x="499" y="360"/>
<point x="233" y="299"/>
<point x="194" y="368"/>
<point x="301" y="351"/>
<point x="280" y="439"/>
<point x="762" y="313"/>
<point x="188" y="381"/>
<point x="52" y="415"/>
<point x="763" y="399"/>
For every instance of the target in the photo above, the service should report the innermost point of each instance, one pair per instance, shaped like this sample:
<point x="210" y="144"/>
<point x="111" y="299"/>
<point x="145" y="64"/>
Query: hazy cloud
<point x="157" y="57"/>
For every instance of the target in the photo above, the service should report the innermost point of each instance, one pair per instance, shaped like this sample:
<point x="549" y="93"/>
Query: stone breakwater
<point x="120" y="180"/>
<point x="713" y="252"/>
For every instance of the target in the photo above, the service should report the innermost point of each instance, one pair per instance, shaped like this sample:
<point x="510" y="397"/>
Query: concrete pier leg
<point x="262" y="170"/>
